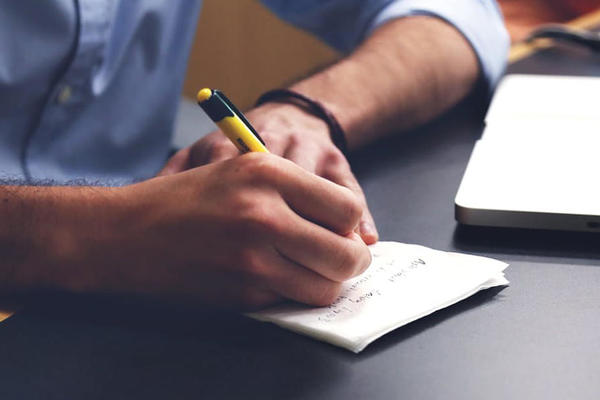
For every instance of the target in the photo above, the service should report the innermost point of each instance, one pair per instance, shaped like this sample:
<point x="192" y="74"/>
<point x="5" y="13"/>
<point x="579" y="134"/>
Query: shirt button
<point x="64" y="95"/>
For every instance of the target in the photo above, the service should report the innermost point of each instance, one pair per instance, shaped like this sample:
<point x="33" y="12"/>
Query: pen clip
<point x="238" y="113"/>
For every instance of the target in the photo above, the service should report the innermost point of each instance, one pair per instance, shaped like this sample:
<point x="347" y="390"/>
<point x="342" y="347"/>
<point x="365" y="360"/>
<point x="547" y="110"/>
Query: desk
<point x="537" y="339"/>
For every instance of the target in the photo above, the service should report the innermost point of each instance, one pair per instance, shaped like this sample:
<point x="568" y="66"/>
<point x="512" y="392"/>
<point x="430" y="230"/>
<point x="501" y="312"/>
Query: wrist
<point x="272" y="116"/>
<point x="312" y="107"/>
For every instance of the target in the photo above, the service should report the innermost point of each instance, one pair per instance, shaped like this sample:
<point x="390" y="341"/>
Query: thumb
<point x="179" y="162"/>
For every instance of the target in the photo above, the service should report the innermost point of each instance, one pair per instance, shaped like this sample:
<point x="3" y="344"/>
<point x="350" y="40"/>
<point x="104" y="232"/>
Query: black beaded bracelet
<point x="338" y="137"/>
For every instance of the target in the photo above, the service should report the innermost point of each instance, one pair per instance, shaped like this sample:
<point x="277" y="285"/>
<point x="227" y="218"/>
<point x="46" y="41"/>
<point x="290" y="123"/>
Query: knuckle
<point x="272" y="138"/>
<point x="336" y="158"/>
<point x="220" y="149"/>
<point x="327" y="294"/>
<point x="351" y="198"/>
<point x="252" y="265"/>
<point x="198" y="154"/>
<point x="344" y="267"/>
<point x="354" y="208"/>
<point x="351" y="209"/>
<point x="242" y="202"/>
<point x="254" y="223"/>
<point x="257" y="215"/>
<point x="347" y="266"/>
<point x="293" y="140"/>
<point x="364" y="261"/>
<point x="259" y="166"/>
<point x="352" y="262"/>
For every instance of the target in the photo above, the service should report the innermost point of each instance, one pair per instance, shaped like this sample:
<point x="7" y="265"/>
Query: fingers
<point x="180" y="161"/>
<point x="276" y="141"/>
<point x="226" y="290"/>
<point x="343" y="176"/>
<point x="332" y="256"/>
<point x="316" y="198"/>
<point x="338" y="171"/>
<point x="221" y="150"/>
<point x="291" y="280"/>
<point x="213" y="148"/>
<point x="303" y="156"/>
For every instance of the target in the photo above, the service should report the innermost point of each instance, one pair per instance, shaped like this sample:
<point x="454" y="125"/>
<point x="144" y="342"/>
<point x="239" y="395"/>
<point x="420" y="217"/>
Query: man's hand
<point x="241" y="233"/>
<point x="293" y="134"/>
<point x="407" y="72"/>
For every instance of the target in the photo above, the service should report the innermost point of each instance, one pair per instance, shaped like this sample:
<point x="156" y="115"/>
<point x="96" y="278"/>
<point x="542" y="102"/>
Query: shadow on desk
<point x="530" y="242"/>
<point x="458" y="126"/>
<point x="118" y="348"/>
<point x="414" y="328"/>
<point x="215" y="333"/>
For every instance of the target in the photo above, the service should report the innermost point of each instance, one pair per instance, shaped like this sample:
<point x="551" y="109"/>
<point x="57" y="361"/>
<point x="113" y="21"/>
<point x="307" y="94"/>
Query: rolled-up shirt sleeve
<point x="343" y="24"/>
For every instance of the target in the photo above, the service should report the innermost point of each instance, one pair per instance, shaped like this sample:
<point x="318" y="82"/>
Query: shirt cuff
<point x="479" y="21"/>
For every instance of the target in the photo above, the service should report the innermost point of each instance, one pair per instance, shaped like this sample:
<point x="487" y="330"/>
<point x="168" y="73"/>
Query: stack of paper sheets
<point x="404" y="283"/>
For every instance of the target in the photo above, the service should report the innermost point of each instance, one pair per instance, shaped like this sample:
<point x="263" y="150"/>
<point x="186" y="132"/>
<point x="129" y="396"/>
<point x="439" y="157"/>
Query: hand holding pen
<point x="288" y="131"/>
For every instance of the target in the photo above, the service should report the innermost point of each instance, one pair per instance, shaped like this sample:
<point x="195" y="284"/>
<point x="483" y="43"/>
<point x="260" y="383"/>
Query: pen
<point x="231" y="121"/>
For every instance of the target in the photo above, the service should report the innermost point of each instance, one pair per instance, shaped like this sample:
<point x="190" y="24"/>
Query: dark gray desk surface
<point x="537" y="339"/>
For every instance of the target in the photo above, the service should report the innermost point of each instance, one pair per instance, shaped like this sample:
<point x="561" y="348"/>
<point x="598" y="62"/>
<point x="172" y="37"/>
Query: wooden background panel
<point x="244" y="50"/>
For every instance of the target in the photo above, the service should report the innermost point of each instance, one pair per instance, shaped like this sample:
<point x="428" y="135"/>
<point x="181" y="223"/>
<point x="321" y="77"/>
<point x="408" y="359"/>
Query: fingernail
<point x="368" y="232"/>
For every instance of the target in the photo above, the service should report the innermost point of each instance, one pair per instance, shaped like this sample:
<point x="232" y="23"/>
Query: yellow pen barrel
<point x="240" y="135"/>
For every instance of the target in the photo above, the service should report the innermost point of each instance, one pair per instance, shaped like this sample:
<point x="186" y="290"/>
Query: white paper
<point x="404" y="283"/>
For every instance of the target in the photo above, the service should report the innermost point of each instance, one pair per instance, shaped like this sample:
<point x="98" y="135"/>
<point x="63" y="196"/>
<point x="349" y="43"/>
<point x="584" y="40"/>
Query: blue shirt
<point x="89" y="88"/>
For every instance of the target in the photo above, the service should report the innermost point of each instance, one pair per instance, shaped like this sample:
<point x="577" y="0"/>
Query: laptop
<point x="537" y="164"/>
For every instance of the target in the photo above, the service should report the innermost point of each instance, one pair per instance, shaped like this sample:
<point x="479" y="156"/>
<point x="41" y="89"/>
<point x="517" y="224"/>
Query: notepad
<point x="404" y="282"/>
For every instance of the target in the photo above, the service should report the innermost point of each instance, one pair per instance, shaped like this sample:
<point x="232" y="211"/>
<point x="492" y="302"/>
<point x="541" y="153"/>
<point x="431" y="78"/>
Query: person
<point x="89" y="90"/>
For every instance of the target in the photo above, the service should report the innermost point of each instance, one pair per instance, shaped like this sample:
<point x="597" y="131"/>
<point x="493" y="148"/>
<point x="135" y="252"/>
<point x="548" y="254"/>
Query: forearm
<point x="41" y="233"/>
<point x="407" y="72"/>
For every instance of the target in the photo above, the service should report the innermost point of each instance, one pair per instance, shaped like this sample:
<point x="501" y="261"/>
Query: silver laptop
<point x="537" y="164"/>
